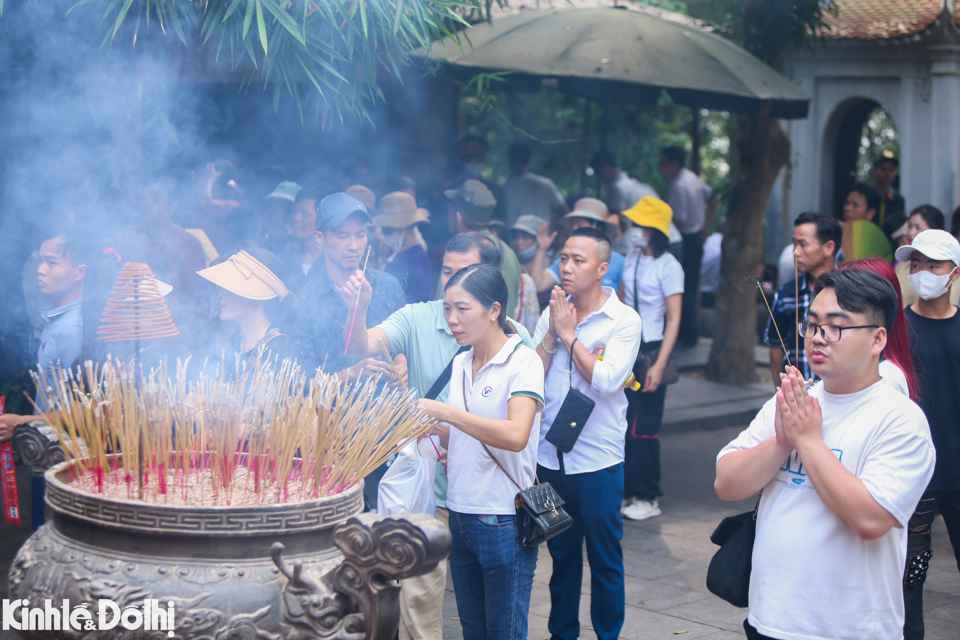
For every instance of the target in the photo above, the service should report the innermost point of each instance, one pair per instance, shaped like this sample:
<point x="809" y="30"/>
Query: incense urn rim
<point x="247" y="520"/>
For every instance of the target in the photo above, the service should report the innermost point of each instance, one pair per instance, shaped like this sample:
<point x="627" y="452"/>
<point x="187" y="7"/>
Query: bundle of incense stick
<point x="268" y="435"/>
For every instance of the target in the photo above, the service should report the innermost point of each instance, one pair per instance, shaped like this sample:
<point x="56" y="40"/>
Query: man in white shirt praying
<point x="586" y="321"/>
<point x="842" y="466"/>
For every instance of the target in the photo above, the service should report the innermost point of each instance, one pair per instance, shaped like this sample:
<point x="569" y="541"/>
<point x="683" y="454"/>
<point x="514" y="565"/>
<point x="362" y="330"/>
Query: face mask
<point x="635" y="238"/>
<point x="528" y="253"/>
<point x="474" y="169"/>
<point x="394" y="240"/>
<point x="929" y="286"/>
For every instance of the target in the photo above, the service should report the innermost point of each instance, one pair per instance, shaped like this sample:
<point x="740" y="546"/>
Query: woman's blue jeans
<point x="492" y="576"/>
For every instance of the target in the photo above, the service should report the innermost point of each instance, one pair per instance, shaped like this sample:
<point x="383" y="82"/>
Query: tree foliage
<point x="337" y="50"/>
<point x="879" y="135"/>
<point x="766" y="28"/>
<point x="566" y="131"/>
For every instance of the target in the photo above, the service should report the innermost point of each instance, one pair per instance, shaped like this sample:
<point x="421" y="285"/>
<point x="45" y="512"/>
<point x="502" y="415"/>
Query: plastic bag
<point x="407" y="486"/>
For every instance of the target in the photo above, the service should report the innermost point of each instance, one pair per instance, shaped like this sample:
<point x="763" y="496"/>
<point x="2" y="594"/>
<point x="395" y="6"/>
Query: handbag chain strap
<point x="463" y="381"/>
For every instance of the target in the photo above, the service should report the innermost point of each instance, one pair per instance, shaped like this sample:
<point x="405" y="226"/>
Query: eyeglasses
<point x="829" y="332"/>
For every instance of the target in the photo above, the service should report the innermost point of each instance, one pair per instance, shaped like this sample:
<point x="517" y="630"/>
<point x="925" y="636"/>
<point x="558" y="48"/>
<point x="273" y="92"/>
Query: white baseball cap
<point x="936" y="244"/>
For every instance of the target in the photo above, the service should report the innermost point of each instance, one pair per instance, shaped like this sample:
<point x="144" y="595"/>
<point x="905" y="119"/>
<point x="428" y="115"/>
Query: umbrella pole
<point x="585" y="145"/>
<point x="695" y="140"/>
<point x="603" y="139"/>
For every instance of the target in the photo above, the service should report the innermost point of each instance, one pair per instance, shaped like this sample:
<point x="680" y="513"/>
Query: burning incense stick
<point x="772" y="319"/>
<point x="272" y="436"/>
<point x="393" y="365"/>
<point x="357" y="306"/>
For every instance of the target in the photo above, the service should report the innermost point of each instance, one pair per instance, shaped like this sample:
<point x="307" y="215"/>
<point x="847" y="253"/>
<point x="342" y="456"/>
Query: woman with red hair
<point x="897" y="364"/>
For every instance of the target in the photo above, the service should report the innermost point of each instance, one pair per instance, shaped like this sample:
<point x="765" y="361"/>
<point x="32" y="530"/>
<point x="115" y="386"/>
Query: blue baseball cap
<point x="337" y="207"/>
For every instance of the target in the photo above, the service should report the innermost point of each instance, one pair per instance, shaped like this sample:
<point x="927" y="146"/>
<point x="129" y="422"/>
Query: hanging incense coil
<point x="136" y="309"/>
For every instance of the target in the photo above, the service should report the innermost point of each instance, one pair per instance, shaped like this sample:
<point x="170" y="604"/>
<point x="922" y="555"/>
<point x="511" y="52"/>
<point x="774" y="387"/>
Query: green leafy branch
<point x="336" y="51"/>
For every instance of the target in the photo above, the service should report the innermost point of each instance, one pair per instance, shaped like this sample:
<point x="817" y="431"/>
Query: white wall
<point x="917" y="84"/>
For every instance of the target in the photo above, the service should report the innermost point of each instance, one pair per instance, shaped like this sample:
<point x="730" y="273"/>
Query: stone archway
<point x="841" y="146"/>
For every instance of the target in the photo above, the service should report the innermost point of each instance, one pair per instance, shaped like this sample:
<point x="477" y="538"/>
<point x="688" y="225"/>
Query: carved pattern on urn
<point x="269" y="593"/>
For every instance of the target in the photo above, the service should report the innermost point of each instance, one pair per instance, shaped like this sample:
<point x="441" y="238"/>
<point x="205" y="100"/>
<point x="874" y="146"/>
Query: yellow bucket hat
<point x="651" y="212"/>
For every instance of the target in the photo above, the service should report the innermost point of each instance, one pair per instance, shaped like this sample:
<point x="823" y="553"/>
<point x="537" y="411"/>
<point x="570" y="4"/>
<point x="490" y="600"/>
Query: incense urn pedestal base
<point x="313" y="569"/>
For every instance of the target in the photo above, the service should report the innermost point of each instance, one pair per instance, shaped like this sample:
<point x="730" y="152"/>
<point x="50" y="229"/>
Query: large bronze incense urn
<point x="311" y="569"/>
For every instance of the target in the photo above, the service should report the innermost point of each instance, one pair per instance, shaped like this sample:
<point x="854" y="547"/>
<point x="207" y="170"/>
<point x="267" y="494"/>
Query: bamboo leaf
<point x="262" y="28"/>
<point x="396" y="18"/>
<point x="177" y="27"/>
<point x="284" y="19"/>
<point x="247" y="18"/>
<point x="231" y="9"/>
<point x="363" y="15"/>
<point x="250" y="52"/>
<point x="75" y="6"/>
<point x="310" y="76"/>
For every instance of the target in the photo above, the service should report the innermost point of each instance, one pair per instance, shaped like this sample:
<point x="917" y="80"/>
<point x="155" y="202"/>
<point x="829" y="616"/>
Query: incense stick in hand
<point x="773" y="320"/>
<point x="393" y="365"/>
<point x="357" y="306"/>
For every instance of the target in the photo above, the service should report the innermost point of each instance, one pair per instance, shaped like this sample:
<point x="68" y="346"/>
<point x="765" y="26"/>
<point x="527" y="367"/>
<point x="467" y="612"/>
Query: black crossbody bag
<point x="729" y="573"/>
<point x="540" y="512"/>
<point x="572" y="416"/>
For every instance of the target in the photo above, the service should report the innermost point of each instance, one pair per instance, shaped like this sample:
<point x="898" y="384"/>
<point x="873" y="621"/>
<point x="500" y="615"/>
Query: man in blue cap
<point x="342" y="232"/>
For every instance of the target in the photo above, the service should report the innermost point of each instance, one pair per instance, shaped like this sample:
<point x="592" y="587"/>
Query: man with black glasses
<point x="841" y="465"/>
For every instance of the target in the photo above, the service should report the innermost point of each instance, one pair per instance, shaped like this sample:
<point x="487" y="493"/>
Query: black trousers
<point x="692" y="257"/>
<point x="753" y="634"/>
<point x="919" y="552"/>
<point x="641" y="466"/>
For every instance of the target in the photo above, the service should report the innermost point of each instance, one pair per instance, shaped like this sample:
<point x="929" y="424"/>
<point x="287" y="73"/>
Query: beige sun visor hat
<point x="247" y="277"/>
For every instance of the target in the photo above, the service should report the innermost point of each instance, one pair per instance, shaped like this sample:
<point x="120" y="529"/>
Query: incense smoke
<point x="85" y="126"/>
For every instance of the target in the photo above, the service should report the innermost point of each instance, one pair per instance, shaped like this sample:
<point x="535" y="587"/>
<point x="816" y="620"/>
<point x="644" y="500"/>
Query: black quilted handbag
<point x="540" y="512"/>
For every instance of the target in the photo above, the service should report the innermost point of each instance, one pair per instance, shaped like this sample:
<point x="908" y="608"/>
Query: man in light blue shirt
<point x="420" y="332"/>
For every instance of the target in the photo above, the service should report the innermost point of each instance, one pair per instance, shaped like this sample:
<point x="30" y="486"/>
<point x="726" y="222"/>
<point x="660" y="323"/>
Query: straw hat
<point x="247" y="277"/>
<point x="607" y="227"/>
<point x="363" y="194"/>
<point x="398" y="210"/>
<point x="592" y="204"/>
<point x="651" y="212"/>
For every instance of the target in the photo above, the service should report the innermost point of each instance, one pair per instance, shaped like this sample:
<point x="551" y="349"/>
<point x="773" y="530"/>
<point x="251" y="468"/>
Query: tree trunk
<point x="761" y="150"/>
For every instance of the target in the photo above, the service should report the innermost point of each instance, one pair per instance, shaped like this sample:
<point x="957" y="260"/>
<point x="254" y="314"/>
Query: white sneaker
<point x="641" y="509"/>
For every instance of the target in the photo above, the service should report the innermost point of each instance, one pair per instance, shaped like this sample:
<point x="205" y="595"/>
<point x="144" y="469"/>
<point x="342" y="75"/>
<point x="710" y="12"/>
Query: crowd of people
<point x="505" y="300"/>
<point x="893" y="463"/>
<point x="492" y="308"/>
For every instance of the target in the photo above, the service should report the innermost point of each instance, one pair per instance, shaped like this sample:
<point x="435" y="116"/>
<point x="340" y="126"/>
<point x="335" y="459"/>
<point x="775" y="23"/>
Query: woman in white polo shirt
<point x="493" y="413"/>
<point x="653" y="285"/>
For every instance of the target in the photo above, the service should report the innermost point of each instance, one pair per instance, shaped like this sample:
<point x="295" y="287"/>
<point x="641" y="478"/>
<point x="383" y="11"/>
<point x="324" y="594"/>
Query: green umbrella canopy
<point x="620" y="55"/>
